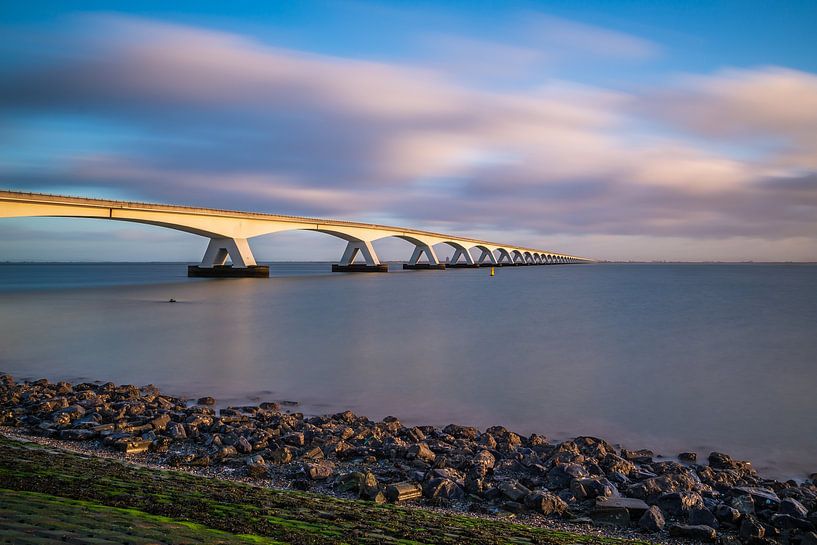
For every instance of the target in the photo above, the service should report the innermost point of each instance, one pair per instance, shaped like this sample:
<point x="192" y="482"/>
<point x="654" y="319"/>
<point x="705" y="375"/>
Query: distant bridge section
<point x="229" y="232"/>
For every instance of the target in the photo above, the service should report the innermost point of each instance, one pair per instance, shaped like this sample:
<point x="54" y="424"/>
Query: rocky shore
<point x="495" y="472"/>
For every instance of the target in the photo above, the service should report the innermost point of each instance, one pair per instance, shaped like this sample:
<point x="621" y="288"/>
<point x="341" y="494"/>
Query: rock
<point x="349" y="482"/>
<point x="634" y="506"/>
<point x="789" y="522"/>
<point x="725" y="513"/>
<point x="443" y="488"/>
<point x="751" y="528"/>
<point x="808" y="538"/>
<point x="243" y="446"/>
<point x="652" y="520"/>
<point x="422" y="452"/>
<point x="642" y="456"/>
<point x="403" y="492"/>
<point x="679" y="504"/>
<point x="700" y="533"/>
<point x="614" y="516"/>
<point x="77" y="435"/>
<point x="176" y="431"/>
<point x="688" y="457"/>
<point x="318" y="471"/>
<point x="295" y="439"/>
<point x="206" y="401"/>
<point x="132" y="446"/>
<point x="370" y="489"/>
<point x="593" y="488"/>
<point x="281" y="456"/>
<point x="702" y="516"/>
<point x="226" y="451"/>
<point x="314" y="454"/>
<point x="790" y="506"/>
<point x="762" y="497"/>
<point x="545" y="503"/>
<point x="745" y="505"/>
<point x="513" y="490"/>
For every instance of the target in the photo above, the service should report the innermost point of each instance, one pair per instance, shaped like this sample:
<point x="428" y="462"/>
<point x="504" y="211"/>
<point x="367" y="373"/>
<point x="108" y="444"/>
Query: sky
<point x="627" y="130"/>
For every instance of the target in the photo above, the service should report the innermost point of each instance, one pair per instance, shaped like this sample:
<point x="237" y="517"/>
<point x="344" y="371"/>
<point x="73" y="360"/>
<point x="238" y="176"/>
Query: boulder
<point x="652" y="520"/>
<point x="206" y="400"/>
<point x="615" y="516"/>
<point x="679" y="504"/>
<point x="790" y="506"/>
<point x="699" y="533"/>
<point x="545" y="503"/>
<point x="513" y="490"/>
<point x="421" y="451"/>
<point x="403" y="491"/>
<point x="751" y="528"/>
<point x="634" y="506"/>
<point x="727" y="514"/>
<point x="688" y="457"/>
<point x="318" y="471"/>
<point x="702" y="516"/>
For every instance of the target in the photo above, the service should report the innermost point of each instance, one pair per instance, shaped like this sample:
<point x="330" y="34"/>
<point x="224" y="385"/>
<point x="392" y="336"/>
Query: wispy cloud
<point x="223" y="120"/>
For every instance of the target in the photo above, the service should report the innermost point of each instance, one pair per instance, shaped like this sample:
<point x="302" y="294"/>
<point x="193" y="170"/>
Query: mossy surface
<point x="34" y="518"/>
<point x="274" y="515"/>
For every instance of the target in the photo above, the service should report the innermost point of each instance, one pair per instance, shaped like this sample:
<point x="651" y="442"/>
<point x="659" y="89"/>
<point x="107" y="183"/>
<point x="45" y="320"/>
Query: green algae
<point x="257" y="514"/>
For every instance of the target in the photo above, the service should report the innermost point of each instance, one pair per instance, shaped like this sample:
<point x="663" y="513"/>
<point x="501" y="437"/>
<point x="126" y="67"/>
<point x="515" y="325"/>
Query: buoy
<point x="492" y="271"/>
<point x="172" y="301"/>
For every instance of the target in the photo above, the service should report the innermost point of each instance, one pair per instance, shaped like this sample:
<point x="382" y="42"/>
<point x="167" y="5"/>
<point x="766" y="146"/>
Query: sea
<point x="670" y="357"/>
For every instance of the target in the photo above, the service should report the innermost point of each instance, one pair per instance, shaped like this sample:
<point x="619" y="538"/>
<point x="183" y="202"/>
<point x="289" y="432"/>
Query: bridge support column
<point x="431" y="256"/>
<point x="366" y="250"/>
<point x="469" y="259"/>
<point x="214" y="262"/>
<point x="487" y="255"/>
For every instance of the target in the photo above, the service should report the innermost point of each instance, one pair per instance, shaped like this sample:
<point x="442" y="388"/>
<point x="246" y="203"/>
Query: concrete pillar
<point x="505" y="255"/>
<point x="362" y="247"/>
<point x="426" y="249"/>
<point x="487" y="255"/>
<point x="462" y="252"/>
<point x="237" y="249"/>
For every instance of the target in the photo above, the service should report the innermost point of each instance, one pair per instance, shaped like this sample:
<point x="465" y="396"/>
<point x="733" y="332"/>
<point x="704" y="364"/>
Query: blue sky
<point x="619" y="130"/>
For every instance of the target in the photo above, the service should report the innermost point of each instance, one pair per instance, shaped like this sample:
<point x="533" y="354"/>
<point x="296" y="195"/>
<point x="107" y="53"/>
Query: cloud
<point x="220" y="120"/>
<point x="564" y="37"/>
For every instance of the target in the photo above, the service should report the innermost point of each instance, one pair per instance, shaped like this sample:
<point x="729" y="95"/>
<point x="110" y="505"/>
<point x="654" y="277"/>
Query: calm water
<point x="670" y="357"/>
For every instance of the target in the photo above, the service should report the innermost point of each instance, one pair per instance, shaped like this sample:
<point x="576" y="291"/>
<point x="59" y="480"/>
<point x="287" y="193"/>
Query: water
<point x="669" y="357"/>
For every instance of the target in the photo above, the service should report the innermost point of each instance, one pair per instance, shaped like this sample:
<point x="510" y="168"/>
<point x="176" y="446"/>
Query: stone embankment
<point x="584" y="480"/>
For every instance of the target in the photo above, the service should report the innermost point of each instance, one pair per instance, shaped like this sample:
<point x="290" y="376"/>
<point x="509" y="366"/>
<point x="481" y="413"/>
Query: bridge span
<point x="229" y="232"/>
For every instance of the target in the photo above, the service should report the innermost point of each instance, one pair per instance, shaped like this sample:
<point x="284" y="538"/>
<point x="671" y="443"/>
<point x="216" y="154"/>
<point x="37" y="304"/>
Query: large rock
<point x="615" y="516"/>
<point x="790" y="506"/>
<point x="444" y="489"/>
<point x="545" y="503"/>
<point x="702" y="516"/>
<point x="764" y="498"/>
<point x="679" y="504"/>
<point x="634" y="506"/>
<point x="652" y="520"/>
<point x="403" y="492"/>
<point x="727" y="514"/>
<point x="699" y="533"/>
<point x="421" y="451"/>
<point x="751" y="528"/>
<point x="318" y="471"/>
<point x="513" y="490"/>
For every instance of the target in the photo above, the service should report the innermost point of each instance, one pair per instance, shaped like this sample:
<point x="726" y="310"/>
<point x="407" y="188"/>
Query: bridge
<point x="229" y="232"/>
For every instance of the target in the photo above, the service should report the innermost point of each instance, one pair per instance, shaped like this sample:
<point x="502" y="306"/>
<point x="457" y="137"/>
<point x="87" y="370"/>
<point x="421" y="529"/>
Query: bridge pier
<point x="365" y="249"/>
<point x="214" y="262"/>
<point x="431" y="256"/>
<point x="487" y="254"/>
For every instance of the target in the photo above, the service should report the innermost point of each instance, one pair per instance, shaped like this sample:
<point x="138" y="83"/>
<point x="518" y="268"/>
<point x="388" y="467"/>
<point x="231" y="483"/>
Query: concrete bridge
<point x="229" y="232"/>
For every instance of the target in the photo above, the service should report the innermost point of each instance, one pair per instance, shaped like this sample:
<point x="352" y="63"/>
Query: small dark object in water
<point x="172" y="300"/>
